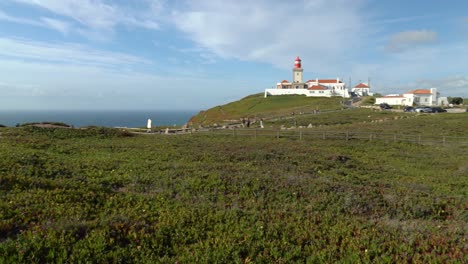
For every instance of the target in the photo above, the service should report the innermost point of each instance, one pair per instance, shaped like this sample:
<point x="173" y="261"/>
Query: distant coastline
<point x="106" y="118"/>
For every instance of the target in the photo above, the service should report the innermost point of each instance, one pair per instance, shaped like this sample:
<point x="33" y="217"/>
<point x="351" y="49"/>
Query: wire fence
<point x="303" y="134"/>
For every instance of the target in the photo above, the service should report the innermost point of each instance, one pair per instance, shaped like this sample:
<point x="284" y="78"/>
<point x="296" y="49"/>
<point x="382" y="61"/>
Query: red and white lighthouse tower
<point x="297" y="71"/>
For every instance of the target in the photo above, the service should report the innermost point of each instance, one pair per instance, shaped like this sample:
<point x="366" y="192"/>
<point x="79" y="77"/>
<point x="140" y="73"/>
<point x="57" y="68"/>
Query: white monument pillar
<point x="148" y="125"/>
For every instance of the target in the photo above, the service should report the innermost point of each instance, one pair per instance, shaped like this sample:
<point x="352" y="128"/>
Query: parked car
<point x="438" y="110"/>
<point x="423" y="109"/>
<point x="385" y="106"/>
<point x="408" y="109"/>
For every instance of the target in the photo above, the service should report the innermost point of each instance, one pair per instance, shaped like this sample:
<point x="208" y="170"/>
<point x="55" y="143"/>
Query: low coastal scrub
<point x="65" y="133"/>
<point x="73" y="195"/>
<point x="45" y="124"/>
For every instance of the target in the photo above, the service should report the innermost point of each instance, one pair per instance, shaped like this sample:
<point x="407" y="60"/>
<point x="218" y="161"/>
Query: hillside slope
<point x="256" y="106"/>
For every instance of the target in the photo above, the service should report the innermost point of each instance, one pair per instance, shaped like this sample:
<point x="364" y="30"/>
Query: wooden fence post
<point x="417" y="138"/>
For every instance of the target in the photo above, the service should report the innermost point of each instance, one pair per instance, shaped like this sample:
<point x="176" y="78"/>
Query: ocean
<point x="105" y="118"/>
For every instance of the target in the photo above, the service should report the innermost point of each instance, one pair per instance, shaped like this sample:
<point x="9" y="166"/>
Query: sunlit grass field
<point x="361" y="119"/>
<point x="256" y="106"/>
<point x="103" y="195"/>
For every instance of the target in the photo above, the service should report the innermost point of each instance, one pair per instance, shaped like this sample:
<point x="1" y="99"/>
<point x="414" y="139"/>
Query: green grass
<point x="339" y="117"/>
<point x="368" y="120"/>
<point x="257" y="106"/>
<point x="101" y="195"/>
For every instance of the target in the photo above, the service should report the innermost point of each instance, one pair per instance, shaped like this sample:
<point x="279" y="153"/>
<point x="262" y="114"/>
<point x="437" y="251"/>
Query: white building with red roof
<point x="317" y="87"/>
<point x="362" y="89"/>
<point x="426" y="97"/>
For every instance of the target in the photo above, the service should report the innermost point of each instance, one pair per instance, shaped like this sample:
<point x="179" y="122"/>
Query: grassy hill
<point x="104" y="196"/>
<point x="108" y="196"/>
<point x="257" y="106"/>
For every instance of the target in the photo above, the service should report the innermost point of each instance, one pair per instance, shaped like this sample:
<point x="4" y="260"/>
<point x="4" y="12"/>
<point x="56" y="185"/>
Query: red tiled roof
<point x="361" y="85"/>
<point x="328" y="81"/>
<point x="419" y="91"/>
<point x="316" y="87"/>
<point x="325" y="81"/>
<point x="284" y="81"/>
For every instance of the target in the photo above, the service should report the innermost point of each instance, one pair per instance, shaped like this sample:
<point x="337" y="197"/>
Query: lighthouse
<point x="313" y="87"/>
<point x="297" y="71"/>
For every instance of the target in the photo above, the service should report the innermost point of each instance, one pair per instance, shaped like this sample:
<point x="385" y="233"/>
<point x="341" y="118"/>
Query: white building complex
<point x="317" y="87"/>
<point x="362" y="89"/>
<point x="335" y="87"/>
<point x="426" y="97"/>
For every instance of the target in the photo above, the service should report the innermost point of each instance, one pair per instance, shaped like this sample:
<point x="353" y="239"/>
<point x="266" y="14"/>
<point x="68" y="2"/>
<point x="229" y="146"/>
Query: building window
<point x="426" y="100"/>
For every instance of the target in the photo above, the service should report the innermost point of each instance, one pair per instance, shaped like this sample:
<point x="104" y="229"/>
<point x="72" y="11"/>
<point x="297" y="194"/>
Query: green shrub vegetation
<point x="101" y="195"/>
<point x="368" y="100"/>
<point x="455" y="100"/>
<point x="55" y="124"/>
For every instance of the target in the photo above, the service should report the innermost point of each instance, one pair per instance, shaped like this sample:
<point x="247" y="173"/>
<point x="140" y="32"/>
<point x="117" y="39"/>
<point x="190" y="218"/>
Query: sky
<point x="192" y="55"/>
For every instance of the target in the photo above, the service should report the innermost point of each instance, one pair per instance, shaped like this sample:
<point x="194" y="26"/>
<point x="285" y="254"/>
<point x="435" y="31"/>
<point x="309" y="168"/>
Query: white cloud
<point x="58" y="25"/>
<point x="64" y="53"/>
<point x="273" y="31"/>
<point x="95" y="14"/>
<point x="100" y="15"/>
<point x="53" y="86"/>
<point x="432" y="66"/>
<point x="44" y="22"/>
<point x="405" y="19"/>
<point x="6" y="17"/>
<point x="408" y="39"/>
<point x="204" y="56"/>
